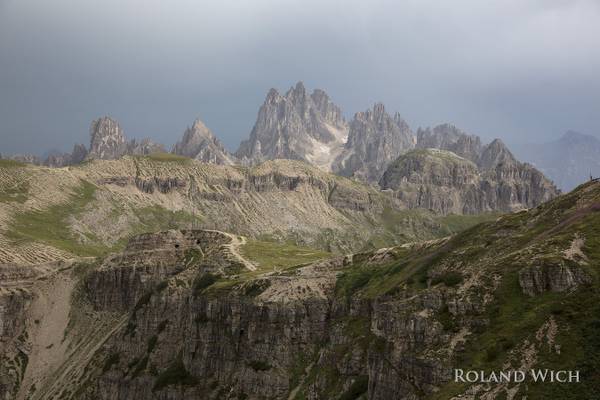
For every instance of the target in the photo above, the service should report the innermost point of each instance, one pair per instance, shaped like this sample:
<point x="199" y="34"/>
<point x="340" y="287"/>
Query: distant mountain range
<point x="569" y="161"/>
<point x="374" y="144"/>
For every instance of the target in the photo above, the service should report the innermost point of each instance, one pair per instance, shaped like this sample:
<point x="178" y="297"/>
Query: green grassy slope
<point x="502" y="248"/>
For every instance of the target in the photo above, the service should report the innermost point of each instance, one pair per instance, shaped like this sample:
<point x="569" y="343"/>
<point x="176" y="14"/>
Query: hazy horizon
<point x="524" y="71"/>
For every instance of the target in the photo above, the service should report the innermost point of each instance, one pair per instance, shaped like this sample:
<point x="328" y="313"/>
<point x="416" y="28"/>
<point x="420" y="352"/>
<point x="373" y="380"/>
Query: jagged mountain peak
<point x="401" y="122"/>
<point x="296" y="126"/>
<point x="273" y="96"/>
<point x="297" y="91"/>
<point x="374" y="140"/>
<point x="107" y="139"/>
<point x="495" y="154"/>
<point x="331" y="113"/>
<point x="200" y="143"/>
<point x="377" y="114"/>
<point x="577" y="137"/>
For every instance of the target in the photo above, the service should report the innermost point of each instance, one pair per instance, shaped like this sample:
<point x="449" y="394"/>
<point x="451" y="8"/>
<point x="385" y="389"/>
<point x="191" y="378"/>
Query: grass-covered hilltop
<point x="257" y="313"/>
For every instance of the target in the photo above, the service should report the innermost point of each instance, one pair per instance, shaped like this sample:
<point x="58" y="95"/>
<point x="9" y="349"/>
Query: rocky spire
<point x="200" y="143"/>
<point x="375" y="139"/>
<point x="107" y="140"/>
<point x="330" y="113"/>
<point x="496" y="154"/>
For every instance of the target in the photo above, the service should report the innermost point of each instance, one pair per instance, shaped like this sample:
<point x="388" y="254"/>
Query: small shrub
<point x="112" y="359"/>
<point x="152" y="343"/>
<point x="447" y="320"/>
<point x="175" y="374"/>
<point x="358" y="387"/>
<point x="145" y="299"/>
<point x="140" y="367"/>
<point x="161" y="327"/>
<point x="161" y="286"/>
<point x="254" y="288"/>
<point x="201" y="319"/>
<point x="201" y="282"/>
<point x="259" y="365"/>
<point x="491" y="354"/>
<point x="449" y="279"/>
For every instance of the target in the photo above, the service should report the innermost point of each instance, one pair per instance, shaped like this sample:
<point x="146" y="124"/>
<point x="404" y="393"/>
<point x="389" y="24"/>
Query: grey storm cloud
<point x="516" y="69"/>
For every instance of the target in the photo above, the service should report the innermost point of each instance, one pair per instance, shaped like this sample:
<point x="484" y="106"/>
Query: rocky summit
<point x="296" y="126"/>
<point x="200" y="143"/>
<point x="107" y="140"/>
<point x="188" y="314"/>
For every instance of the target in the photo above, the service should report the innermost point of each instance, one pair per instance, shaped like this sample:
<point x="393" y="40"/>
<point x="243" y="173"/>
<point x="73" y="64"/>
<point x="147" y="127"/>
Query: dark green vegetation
<point x="112" y="359"/>
<point x="259" y="365"/>
<point x="202" y="282"/>
<point x="359" y="387"/>
<point x="175" y="374"/>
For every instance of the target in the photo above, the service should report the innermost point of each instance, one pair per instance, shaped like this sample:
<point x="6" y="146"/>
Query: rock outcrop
<point x="447" y="183"/>
<point x="536" y="280"/>
<point x="200" y="143"/>
<point x="375" y="139"/>
<point x="297" y="126"/>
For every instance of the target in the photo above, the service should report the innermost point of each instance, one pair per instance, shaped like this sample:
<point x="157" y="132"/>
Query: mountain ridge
<point x="308" y="127"/>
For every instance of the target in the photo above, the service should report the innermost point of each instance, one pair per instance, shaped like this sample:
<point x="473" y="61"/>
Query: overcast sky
<point x="522" y="70"/>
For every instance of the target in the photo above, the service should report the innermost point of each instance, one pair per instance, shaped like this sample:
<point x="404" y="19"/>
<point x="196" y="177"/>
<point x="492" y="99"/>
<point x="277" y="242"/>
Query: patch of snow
<point x="324" y="154"/>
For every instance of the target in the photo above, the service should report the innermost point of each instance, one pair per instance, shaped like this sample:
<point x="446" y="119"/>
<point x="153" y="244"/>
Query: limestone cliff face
<point x="442" y="181"/>
<point x="265" y="338"/>
<point x="296" y="126"/>
<point x="200" y="143"/>
<point x="375" y="139"/>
